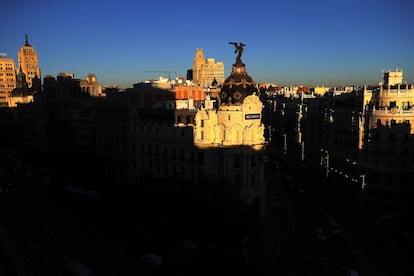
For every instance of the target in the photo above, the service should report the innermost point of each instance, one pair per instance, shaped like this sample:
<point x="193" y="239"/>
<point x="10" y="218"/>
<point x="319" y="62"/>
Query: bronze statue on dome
<point x="239" y="50"/>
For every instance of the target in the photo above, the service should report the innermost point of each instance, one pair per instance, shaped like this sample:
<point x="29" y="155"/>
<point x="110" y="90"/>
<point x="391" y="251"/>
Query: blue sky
<point x="296" y="42"/>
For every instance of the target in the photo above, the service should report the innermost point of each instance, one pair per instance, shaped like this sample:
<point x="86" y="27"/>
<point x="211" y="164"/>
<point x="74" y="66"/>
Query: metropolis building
<point x="232" y="137"/>
<point x="223" y="147"/>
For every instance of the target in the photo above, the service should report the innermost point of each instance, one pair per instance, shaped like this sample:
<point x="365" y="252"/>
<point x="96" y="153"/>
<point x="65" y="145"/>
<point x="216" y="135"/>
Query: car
<point x="336" y="229"/>
<point x="76" y="267"/>
<point x="152" y="259"/>
<point x="320" y="234"/>
<point x="352" y="272"/>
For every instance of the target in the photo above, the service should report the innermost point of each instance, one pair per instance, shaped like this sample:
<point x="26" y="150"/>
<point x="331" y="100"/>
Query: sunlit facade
<point x="391" y="102"/>
<point x="28" y="62"/>
<point x="361" y="140"/>
<point x="205" y="71"/>
<point x="21" y="94"/>
<point x="183" y="92"/>
<point x="91" y="86"/>
<point x="232" y="137"/>
<point x="7" y="79"/>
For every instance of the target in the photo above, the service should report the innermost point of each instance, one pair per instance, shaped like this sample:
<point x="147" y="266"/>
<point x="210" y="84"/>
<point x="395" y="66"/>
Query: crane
<point x="163" y="71"/>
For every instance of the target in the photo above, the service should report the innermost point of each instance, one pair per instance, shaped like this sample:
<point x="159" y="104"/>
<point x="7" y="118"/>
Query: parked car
<point x="320" y="234"/>
<point x="77" y="267"/>
<point x="336" y="229"/>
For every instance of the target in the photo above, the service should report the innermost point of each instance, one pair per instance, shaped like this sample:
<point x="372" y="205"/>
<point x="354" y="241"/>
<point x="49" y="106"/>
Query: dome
<point x="239" y="84"/>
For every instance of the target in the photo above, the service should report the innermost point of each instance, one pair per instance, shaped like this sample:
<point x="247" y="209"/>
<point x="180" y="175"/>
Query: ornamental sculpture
<point x="238" y="50"/>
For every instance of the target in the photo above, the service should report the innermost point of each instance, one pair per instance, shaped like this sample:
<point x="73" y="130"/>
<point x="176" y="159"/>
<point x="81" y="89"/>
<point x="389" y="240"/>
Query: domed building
<point x="237" y="121"/>
<point x="239" y="84"/>
<point x="232" y="136"/>
<point x="22" y="93"/>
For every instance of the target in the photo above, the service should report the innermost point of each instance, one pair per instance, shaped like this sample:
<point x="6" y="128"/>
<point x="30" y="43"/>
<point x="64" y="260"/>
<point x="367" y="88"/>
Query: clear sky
<point x="295" y="42"/>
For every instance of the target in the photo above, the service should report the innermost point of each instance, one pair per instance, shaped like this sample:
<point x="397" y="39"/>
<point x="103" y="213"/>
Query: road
<point x="301" y="237"/>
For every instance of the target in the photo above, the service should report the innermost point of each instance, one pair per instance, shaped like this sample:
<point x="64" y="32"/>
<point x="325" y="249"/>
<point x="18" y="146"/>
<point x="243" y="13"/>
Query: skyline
<point x="331" y="43"/>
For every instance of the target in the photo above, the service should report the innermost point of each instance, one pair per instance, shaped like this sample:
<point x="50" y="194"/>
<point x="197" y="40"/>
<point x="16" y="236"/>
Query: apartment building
<point x="7" y="79"/>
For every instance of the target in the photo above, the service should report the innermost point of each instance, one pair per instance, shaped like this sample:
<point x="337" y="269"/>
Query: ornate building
<point x="7" y="79"/>
<point x="222" y="149"/>
<point x="28" y="62"/>
<point x="391" y="101"/>
<point x="91" y="86"/>
<point x="21" y="94"/>
<point x="205" y="71"/>
<point x="232" y="137"/>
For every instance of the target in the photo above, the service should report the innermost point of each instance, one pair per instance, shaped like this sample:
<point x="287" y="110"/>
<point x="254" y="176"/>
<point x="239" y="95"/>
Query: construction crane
<point x="163" y="71"/>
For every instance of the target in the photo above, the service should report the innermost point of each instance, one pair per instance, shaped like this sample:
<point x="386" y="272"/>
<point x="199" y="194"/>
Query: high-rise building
<point x="7" y="79"/>
<point x="28" y="62"/>
<point x="205" y="71"/>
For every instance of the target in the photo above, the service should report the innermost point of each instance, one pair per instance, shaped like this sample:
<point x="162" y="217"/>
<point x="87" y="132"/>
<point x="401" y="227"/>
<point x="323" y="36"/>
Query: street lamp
<point x="326" y="159"/>
<point x="327" y="165"/>
<point x="363" y="184"/>
<point x="302" y="151"/>
<point x="270" y="133"/>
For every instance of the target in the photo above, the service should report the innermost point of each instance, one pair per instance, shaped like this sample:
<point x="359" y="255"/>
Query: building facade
<point x="232" y="137"/>
<point x="7" y="79"/>
<point x="391" y="101"/>
<point x="28" y="62"/>
<point x="360" y="139"/>
<point x="91" y="86"/>
<point x="205" y="71"/>
<point x="22" y="93"/>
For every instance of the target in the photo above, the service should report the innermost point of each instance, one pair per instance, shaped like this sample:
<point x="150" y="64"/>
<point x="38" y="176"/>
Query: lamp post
<point x="302" y="151"/>
<point x="327" y="165"/>
<point x="363" y="184"/>
<point x="270" y="133"/>
<point x="325" y="160"/>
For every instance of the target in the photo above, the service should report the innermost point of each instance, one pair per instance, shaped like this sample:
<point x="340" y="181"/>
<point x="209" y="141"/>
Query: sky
<point x="295" y="42"/>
